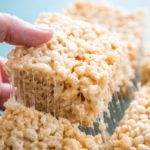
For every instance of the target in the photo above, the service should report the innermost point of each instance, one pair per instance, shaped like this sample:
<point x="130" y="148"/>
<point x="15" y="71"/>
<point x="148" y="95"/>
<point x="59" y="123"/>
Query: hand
<point x="17" y="32"/>
<point x="5" y="88"/>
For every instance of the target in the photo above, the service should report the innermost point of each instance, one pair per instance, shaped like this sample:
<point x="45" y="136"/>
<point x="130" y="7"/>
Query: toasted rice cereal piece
<point x="130" y="24"/>
<point x="145" y="66"/>
<point x="133" y="132"/>
<point x="74" y="74"/>
<point x="23" y="128"/>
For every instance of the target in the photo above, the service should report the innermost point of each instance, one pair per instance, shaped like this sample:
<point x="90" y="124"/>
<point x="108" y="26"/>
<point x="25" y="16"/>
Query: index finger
<point x="15" y="31"/>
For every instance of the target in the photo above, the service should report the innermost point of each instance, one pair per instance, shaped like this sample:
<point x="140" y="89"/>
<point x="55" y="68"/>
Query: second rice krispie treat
<point x="23" y="128"/>
<point x="133" y="132"/>
<point x="145" y="66"/>
<point x="74" y="74"/>
<point x="131" y="25"/>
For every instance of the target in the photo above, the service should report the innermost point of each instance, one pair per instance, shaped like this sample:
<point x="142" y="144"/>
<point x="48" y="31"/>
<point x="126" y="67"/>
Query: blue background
<point x="30" y="9"/>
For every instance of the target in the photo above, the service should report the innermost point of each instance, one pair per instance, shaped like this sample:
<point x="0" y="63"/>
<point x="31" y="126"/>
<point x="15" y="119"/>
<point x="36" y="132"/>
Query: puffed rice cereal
<point x="23" y="128"/>
<point x="74" y="74"/>
<point x="133" y="132"/>
<point x="130" y="24"/>
<point x="145" y="66"/>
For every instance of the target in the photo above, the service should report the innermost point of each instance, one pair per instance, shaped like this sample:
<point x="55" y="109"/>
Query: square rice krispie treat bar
<point x="133" y="132"/>
<point x="130" y="24"/>
<point x="23" y="128"/>
<point x="73" y="75"/>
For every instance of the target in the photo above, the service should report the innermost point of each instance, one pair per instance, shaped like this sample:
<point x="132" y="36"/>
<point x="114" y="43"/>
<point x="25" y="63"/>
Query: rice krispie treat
<point x="73" y="75"/>
<point x="133" y="132"/>
<point x="145" y="66"/>
<point x="130" y="24"/>
<point x="23" y="128"/>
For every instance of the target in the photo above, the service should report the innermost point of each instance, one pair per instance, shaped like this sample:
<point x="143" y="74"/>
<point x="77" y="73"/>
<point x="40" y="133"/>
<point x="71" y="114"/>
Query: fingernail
<point x="44" y="28"/>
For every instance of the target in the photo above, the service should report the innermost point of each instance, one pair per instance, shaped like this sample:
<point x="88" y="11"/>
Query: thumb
<point x="4" y="76"/>
<point x="5" y="91"/>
